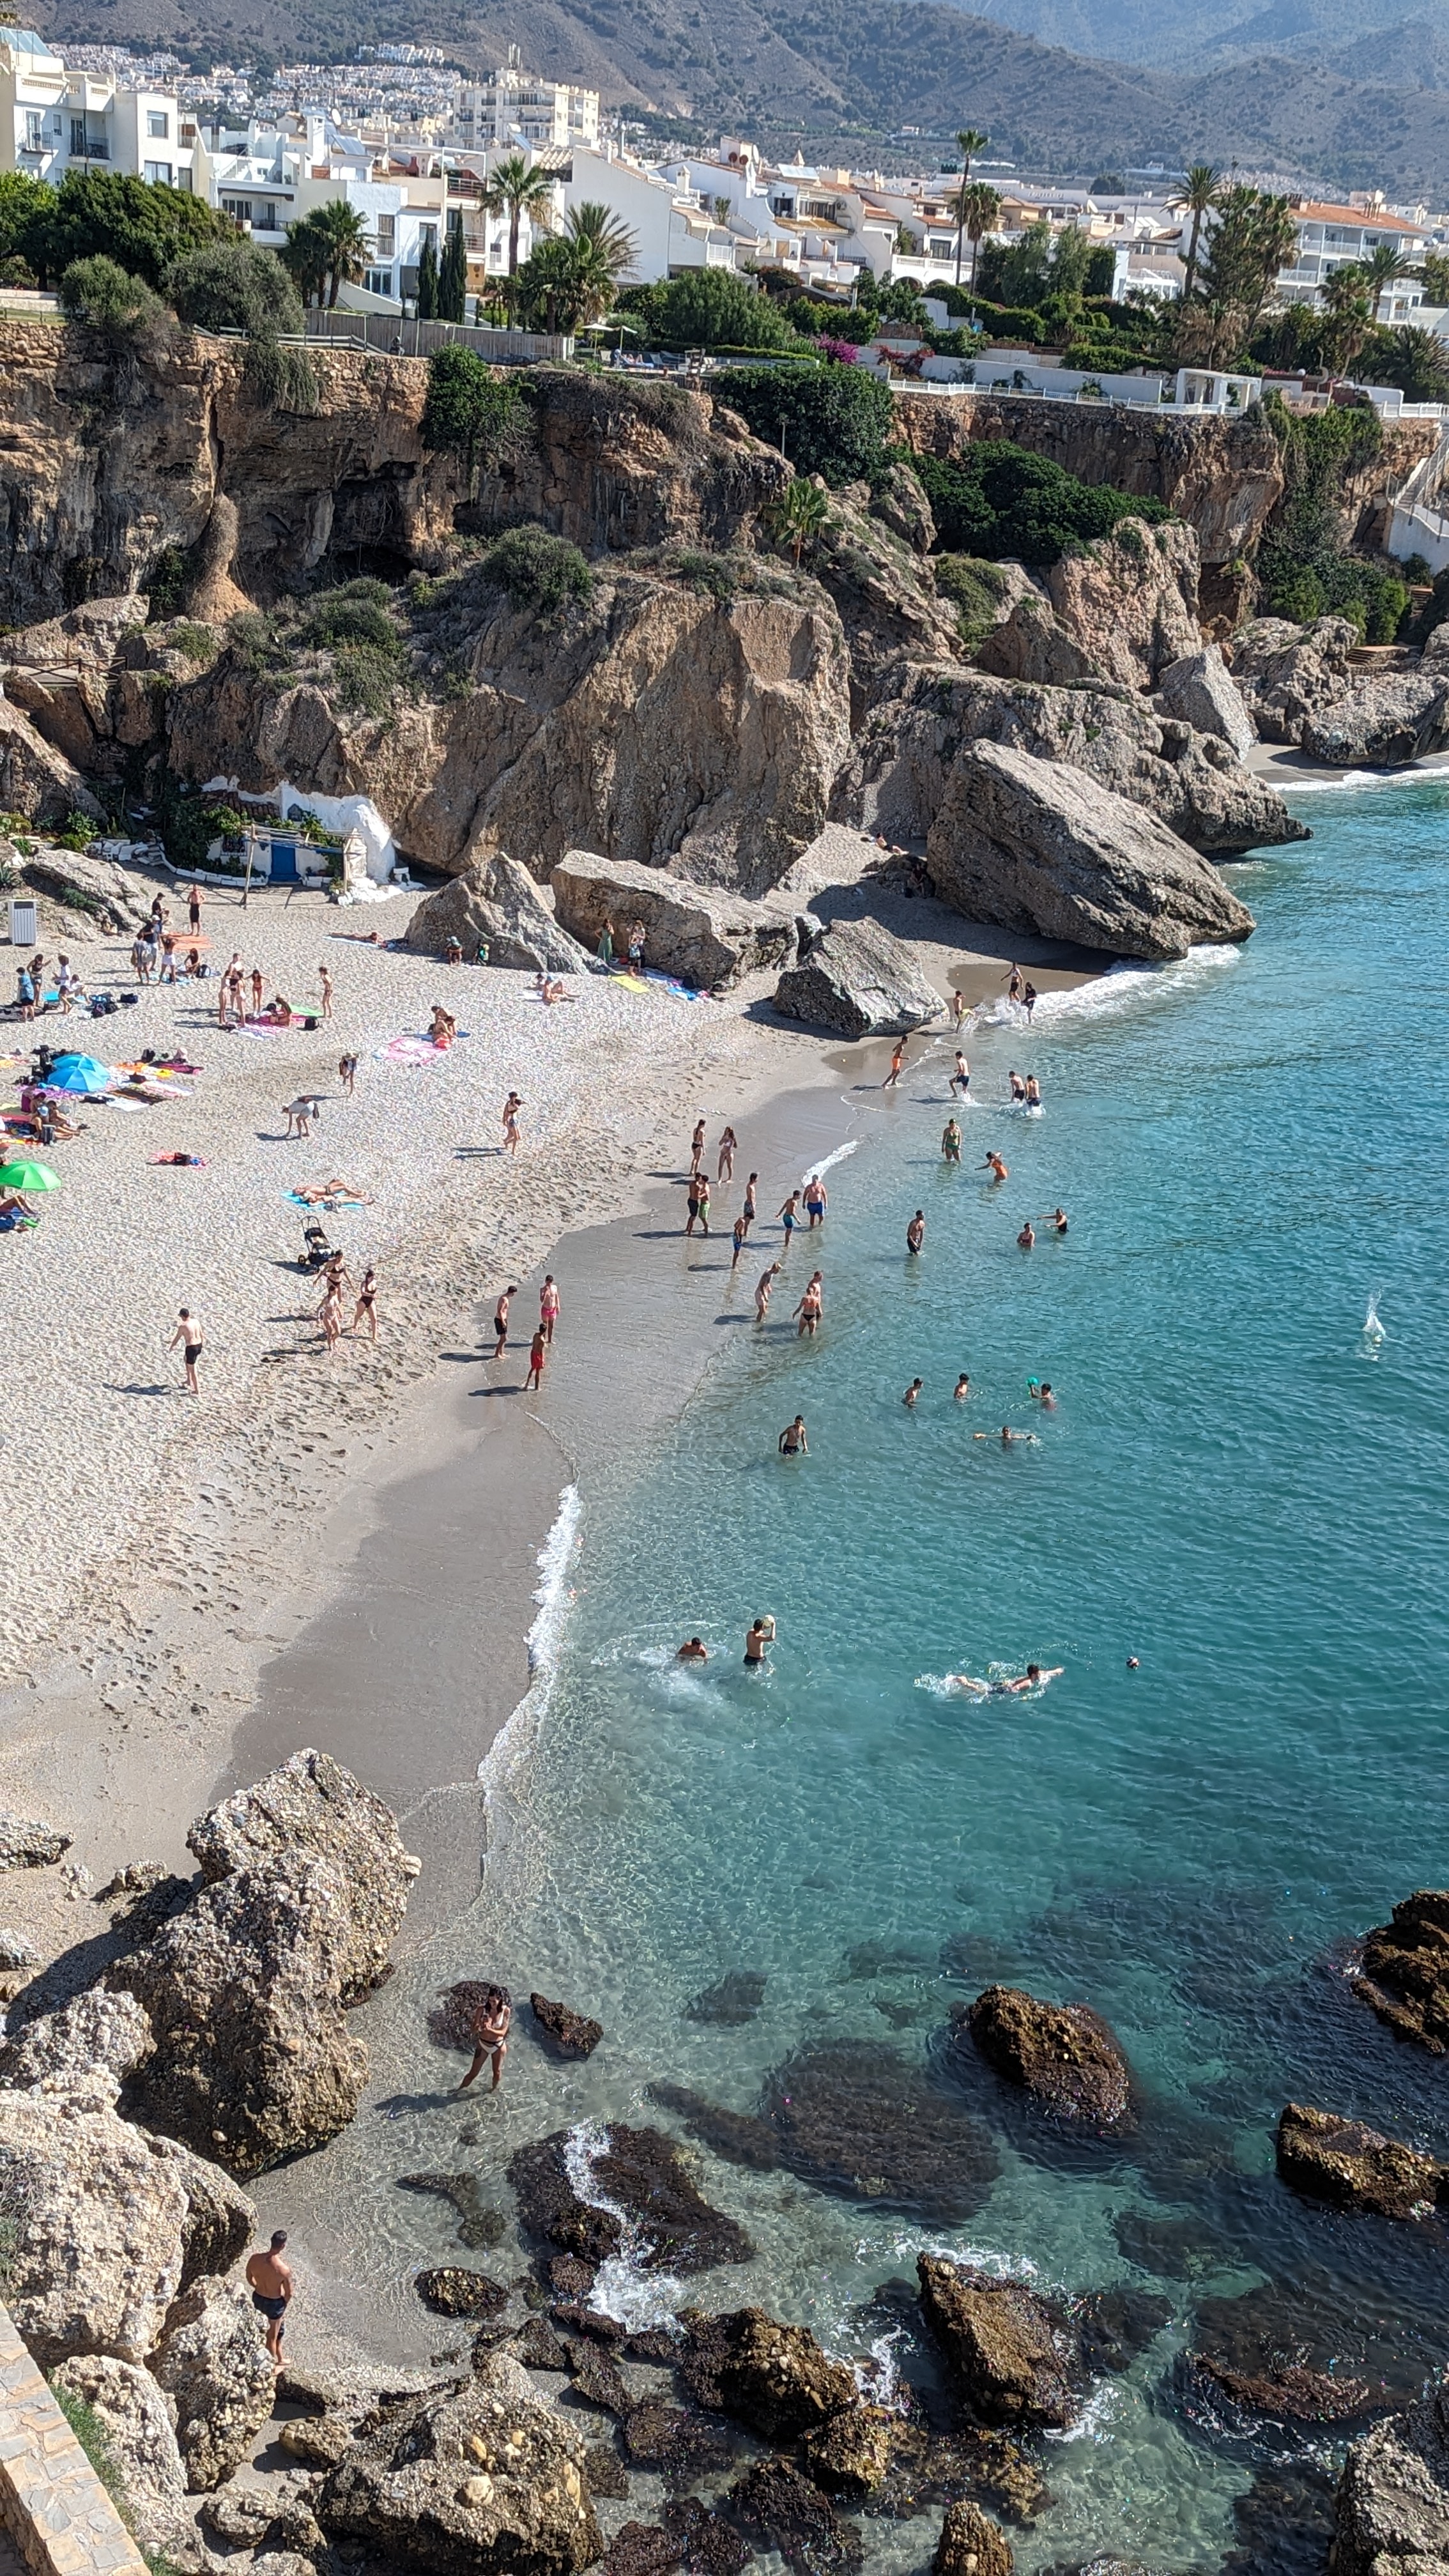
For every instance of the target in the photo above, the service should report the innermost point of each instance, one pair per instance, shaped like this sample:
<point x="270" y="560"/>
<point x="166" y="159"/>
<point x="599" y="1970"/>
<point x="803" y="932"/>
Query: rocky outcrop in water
<point x="1327" y="2157"/>
<point x="110" y="2224"/>
<point x="1005" y="2348"/>
<point x="902" y="760"/>
<point x="1303" y="687"/>
<point x="1037" y="845"/>
<point x="703" y="938"/>
<point x="453" y="2292"/>
<point x="785" y="2511"/>
<point x="858" y="978"/>
<point x="971" y="2544"/>
<point x="641" y="2172"/>
<point x="1392" y="2512"/>
<point x="1404" y="1972"/>
<point x="850" y="2454"/>
<point x="1383" y="723"/>
<point x="1062" y="2054"/>
<point x="568" y="2033"/>
<point x="470" y="2480"/>
<point x="213" y="2364"/>
<point x="774" y="2378"/>
<point x="501" y="902"/>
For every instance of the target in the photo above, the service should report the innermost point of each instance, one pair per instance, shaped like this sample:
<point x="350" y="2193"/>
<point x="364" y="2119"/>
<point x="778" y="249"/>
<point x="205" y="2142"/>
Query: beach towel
<point x="328" y="1200"/>
<point x="411" y="1049"/>
<point x="672" y="984"/>
<point x="631" y="983"/>
<point x="194" y="1162"/>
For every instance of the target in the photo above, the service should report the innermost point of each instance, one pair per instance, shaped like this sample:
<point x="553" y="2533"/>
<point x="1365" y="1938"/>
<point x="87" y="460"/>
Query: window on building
<point x="158" y="125"/>
<point x="379" y="281"/>
<point x="34" y="129"/>
<point x="239" y="209"/>
<point x="427" y="233"/>
<point x="385" y="227"/>
<point x="264" y="216"/>
<point x="158" y="174"/>
<point x="78" y="137"/>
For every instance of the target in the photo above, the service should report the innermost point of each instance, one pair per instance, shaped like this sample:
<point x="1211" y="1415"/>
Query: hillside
<point x="843" y="74"/>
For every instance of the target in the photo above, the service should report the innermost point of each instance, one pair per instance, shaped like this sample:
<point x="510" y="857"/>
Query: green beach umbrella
<point x="28" y="1176"/>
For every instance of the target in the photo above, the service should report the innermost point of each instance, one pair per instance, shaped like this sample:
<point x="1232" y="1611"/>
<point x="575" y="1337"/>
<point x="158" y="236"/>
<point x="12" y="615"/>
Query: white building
<point x="1331" y="237"/>
<point x="53" y="120"/>
<point x="516" y="107"/>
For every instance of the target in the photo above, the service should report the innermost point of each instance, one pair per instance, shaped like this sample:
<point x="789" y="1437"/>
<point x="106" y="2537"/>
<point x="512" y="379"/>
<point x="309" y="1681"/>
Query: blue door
<point x="284" y="862"/>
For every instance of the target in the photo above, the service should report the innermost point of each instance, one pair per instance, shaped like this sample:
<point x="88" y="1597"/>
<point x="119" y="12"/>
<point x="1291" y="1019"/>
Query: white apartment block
<point x="516" y="107"/>
<point x="53" y="120"/>
<point x="1331" y="237"/>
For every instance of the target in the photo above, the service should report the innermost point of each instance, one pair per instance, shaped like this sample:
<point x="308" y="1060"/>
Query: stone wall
<point x="53" y="2508"/>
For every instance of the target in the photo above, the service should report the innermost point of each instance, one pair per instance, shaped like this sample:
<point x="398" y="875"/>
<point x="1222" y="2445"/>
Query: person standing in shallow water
<point x="491" y="2017"/>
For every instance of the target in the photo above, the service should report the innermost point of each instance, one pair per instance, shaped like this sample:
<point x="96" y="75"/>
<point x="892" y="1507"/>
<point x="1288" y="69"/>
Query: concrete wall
<point x="53" y="2508"/>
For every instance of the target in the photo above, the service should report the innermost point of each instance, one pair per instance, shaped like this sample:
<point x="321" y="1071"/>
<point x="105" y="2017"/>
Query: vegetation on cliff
<point x="997" y="501"/>
<point x="1302" y="566"/>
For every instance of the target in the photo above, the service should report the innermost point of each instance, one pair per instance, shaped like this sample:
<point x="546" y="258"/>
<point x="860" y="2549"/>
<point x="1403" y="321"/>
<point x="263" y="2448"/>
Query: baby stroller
<point x="316" y="1250"/>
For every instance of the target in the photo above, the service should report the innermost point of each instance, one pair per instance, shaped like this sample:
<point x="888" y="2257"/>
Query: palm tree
<point x="1344" y="296"/>
<point x="1383" y="268"/>
<point x="1196" y="197"/>
<point x="348" y="244"/>
<point x="604" y="251"/>
<point x="969" y="140"/>
<point x="981" y="205"/>
<point x="514" y="189"/>
<point x="799" y="514"/>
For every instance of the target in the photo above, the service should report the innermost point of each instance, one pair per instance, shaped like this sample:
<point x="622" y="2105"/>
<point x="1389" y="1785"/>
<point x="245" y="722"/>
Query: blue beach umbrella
<point x="80" y="1076"/>
<point x="68" y="1056"/>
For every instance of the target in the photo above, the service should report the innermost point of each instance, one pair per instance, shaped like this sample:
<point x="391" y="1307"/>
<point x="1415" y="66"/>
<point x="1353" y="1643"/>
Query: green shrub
<point x="1302" y="567"/>
<point x="284" y="378"/>
<point x="142" y="229"/>
<point x="233" y="286"/>
<point x="78" y="831"/>
<point x="834" y="420"/>
<point x="166" y="583"/>
<point x="256" y="642"/>
<point x="360" y="612"/>
<point x="998" y="500"/>
<point x="97" y="292"/>
<point x="470" y="411"/>
<point x="94" y="2440"/>
<point x="708" y="308"/>
<point x="194" y="643"/>
<point x="367" y="681"/>
<point x="718" y="574"/>
<point x="976" y="588"/>
<point x="534" y="567"/>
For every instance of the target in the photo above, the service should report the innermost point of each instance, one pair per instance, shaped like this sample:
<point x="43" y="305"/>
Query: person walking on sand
<point x="792" y="1441"/>
<point x="365" y="1310"/>
<point x="762" y="1291"/>
<point x="696" y="1148"/>
<point x="951" y="1141"/>
<point x="811" y="1306"/>
<point x="347" y="1073"/>
<point x="537" y="1361"/>
<point x="511" y="1108"/>
<point x="1000" y="1171"/>
<point x="193" y="908"/>
<point x="961" y="1077"/>
<point x="491" y="2017"/>
<point x="916" y="1232"/>
<point x="258" y="988"/>
<point x="729" y="1145"/>
<point x="741" y="1233"/>
<point x="817" y="1200"/>
<point x="324" y="978"/>
<point x="269" y="2280"/>
<point x="790" y="1216"/>
<point x="760" y="1636"/>
<point x="549" y="1308"/>
<point x="898" y="1058"/>
<point x="500" y="1322"/>
<point x="191" y="1338"/>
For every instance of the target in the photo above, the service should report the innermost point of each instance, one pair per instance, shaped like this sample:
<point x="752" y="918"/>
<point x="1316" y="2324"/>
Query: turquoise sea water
<point x="1239" y="1487"/>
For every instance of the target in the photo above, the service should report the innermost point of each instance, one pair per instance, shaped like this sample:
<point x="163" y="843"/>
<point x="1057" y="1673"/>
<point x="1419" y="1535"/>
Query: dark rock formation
<point x="1405" y="1969"/>
<point x="874" y="2131"/>
<point x="1062" y="2054"/>
<point x="779" y="2507"/>
<point x="857" y="977"/>
<point x="497" y="900"/>
<point x="568" y="2033"/>
<point x="538" y="2346"/>
<point x="467" y="2481"/>
<point x="704" y="938"/>
<point x="971" y="2544"/>
<point x="1037" y="845"/>
<point x="1006" y="2349"/>
<point x="1291" y="2394"/>
<point x="676" y="2440"/>
<point x="1114" y="2326"/>
<point x="1324" y="2351"/>
<point x="642" y="2171"/>
<point x="774" y="2378"/>
<point x="1392" y="2513"/>
<point x="452" y="2292"/>
<point x="1330" y="2158"/>
<point x="735" y="2000"/>
<point x="850" y="2454"/>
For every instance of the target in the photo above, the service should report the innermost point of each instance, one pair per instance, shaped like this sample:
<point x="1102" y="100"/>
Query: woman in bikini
<point x="367" y="1302"/>
<point x="728" y="1147"/>
<point x="491" y="2018"/>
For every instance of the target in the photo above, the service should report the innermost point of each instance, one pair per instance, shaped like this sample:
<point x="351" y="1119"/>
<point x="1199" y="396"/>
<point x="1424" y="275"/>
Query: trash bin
<point x="24" y="927"/>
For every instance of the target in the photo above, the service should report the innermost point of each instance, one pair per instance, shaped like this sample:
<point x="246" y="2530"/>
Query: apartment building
<point x="1334" y="236"/>
<point x="516" y="107"/>
<point x="53" y="120"/>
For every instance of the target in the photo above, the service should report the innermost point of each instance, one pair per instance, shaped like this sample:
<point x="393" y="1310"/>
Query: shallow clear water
<point x="1238" y="1486"/>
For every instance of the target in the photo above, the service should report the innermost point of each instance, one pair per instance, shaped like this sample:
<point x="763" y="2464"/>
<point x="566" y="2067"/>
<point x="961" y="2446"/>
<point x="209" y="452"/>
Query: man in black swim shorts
<point x="269" y="2279"/>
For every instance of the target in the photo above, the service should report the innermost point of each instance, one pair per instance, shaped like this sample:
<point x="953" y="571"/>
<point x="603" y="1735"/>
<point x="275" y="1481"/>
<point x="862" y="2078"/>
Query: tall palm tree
<point x="969" y="140"/>
<point x="981" y="205"/>
<point x="1344" y="296"/>
<point x="603" y="253"/>
<point x="1196" y="197"/>
<point x="1383" y="268"/>
<point x="515" y="190"/>
<point x="348" y="243"/>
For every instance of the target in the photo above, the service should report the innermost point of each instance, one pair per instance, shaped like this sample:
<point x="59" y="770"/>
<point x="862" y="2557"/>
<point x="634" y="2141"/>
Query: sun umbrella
<point x="78" y="1075"/>
<point x="73" y="1055"/>
<point x="28" y="1176"/>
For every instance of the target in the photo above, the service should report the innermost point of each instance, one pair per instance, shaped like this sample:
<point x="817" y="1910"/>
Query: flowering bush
<point x="844" y="352"/>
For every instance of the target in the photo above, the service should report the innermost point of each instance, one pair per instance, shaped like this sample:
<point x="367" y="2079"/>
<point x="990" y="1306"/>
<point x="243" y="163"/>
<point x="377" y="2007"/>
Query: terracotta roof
<point x="1310" y="212"/>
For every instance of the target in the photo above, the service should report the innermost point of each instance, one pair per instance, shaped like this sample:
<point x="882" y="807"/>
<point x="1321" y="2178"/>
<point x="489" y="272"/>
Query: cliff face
<point x="1221" y="475"/>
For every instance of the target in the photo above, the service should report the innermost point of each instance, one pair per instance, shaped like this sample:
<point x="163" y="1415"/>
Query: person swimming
<point x="1008" y="1686"/>
<point x="1000" y="1171"/>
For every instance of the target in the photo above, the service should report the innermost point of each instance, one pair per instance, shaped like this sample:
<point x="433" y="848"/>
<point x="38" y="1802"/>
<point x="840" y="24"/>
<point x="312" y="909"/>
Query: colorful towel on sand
<point x="329" y="1201"/>
<point x="411" y="1048"/>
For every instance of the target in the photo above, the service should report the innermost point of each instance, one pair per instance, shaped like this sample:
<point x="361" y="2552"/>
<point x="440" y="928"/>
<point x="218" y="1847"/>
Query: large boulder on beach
<point x="1290" y="675"/>
<point x="95" y="2031"/>
<point x="110" y="2223"/>
<point x="701" y="935"/>
<point x="1064" y="2055"/>
<point x="902" y="758"/>
<point x="1382" y="722"/>
<point x="1201" y="689"/>
<point x="1327" y="2157"/>
<point x="1404" y="1971"/>
<point x="26" y="1844"/>
<point x="477" y="2479"/>
<point x="213" y="2364"/>
<point x="857" y="977"/>
<point x="1037" y="845"/>
<point x="496" y="899"/>
<point x="246" y="1991"/>
<point x="310" y="1804"/>
<point x="1392" y="2512"/>
<point x="1123" y="609"/>
<point x="1005" y="2349"/>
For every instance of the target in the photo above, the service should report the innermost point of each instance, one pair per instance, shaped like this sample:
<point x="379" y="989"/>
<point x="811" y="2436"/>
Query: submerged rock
<point x="971" y="2544"/>
<point x="597" y="2376"/>
<point x="571" y="2033"/>
<point x="642" y="2172"/>
<point x="1323" y="2352"/>
<point x="874" y="2130"/>
<point x="452" y="2292"/>
<point x="1063" y="2054"/>
<point x="1288" y="2393"/>
<point x="857" y="977"/>
<point x="479" y="2226"/>
<point x="774" y="2378"/>
<point x="778" y="2506"/>
<point x="467" y="2481"/>
<point x="1114" y="2326"/>
<point x="1334" y="2159"/>
<point x="1037" y="845"/>
<point x="1392" y="2511"/>
<point x="1404" y="1974"/>
<point x="1006" y="2349"/>
<point x="735" y="2000"/>
<point x="496" y="899"/>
